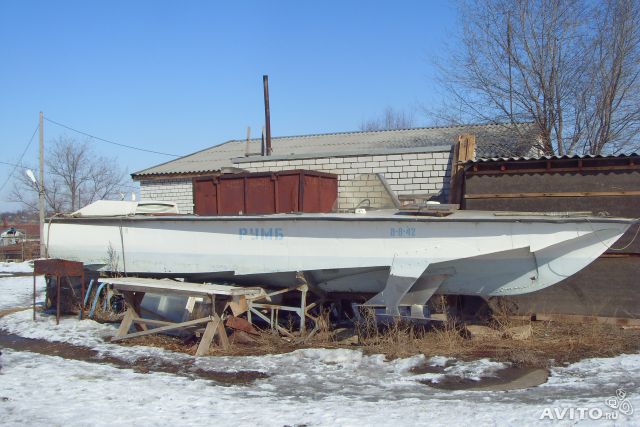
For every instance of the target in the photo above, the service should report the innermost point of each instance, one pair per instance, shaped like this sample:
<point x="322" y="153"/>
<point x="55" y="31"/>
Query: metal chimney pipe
<point x="267" y="117"/>
<point x="247" y="149"/>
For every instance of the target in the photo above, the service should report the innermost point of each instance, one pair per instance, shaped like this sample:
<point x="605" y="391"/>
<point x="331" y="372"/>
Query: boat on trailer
<point x="401" y="258"/>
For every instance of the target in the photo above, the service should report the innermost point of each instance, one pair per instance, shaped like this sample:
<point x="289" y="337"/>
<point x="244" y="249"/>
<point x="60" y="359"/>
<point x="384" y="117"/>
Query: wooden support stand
<point x="219" y="296"/>
<point x="58" y="268"/>
<point x="260" y="304"/>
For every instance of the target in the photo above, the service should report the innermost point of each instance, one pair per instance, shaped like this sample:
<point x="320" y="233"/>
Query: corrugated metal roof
<point x="538" y="158"/>
<point x="491" y="140"/>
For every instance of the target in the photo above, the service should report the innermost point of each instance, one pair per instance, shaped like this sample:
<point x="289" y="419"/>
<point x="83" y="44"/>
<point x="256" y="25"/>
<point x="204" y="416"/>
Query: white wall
<point x="415" y="173"/>
<point x="405" y="173"/>
<point x="170" y="190"/>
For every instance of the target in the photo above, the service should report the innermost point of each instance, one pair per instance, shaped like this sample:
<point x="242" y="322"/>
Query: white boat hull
<point x="466" y="253"/>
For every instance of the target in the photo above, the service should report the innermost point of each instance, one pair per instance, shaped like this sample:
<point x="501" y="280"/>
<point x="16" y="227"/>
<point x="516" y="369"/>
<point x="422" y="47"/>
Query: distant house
<point x="372" y="167"/>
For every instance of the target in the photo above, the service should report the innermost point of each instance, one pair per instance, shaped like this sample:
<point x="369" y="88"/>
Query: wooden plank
<point x="183" y="288"/>
<point x="207" y="337"/>
<point x="152" y="321"/>
<point x="455" y="178"/>
<point x="222" y="336"/>
<point x="238" y="305"/>
<point x="165" y="328"/>
<point x="125" y="325"/>
<point x="133" y="300"/>
<point x="463" y="151"/>
<point x="553" y="194"/>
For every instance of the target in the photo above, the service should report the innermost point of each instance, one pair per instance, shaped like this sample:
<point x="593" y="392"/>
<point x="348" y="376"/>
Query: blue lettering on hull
<point x="260" y="233"/>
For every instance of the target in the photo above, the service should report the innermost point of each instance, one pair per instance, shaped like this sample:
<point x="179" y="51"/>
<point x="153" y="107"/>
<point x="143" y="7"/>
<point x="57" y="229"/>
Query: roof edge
<point x="358" y="132"/>
<point x="353" y="153"/>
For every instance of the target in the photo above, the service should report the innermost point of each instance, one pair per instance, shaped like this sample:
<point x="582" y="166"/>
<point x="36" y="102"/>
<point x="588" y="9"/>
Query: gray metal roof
<point x="538" y="158"/>
<point x="491" y="140"/>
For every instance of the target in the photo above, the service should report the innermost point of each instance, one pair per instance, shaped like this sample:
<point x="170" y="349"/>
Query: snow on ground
<point x="16" y="267"/>
<point x="79" y="393"/>
<point x="18" y="291"/>
<point x="309" y="386"/>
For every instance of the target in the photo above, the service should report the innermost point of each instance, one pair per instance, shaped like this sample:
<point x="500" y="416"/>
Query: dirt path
<point x="144" y="365"/>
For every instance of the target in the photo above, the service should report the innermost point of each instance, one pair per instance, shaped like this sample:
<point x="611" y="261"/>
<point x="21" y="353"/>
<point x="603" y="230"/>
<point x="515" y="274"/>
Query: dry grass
<point x="549" y="343"/>
<point x="167" y="342"/>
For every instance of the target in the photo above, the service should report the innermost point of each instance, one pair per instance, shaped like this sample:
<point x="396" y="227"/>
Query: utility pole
<point x="41" y="191"/>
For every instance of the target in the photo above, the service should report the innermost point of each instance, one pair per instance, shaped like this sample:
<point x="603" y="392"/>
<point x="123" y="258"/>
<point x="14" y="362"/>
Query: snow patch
<point x="18" y="291"/>
<point x="72" y="330"/>
<point x="475" y="369"/>
<point x="75" y="393"/>
<point x="16" y="267"/>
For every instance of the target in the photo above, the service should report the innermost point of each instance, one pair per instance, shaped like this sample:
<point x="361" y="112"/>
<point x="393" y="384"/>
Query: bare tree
<point x="613" y="112"/>
<point x="568" y="66"/>
<point x="390" y="119"/>
<point x="75" y="176"/>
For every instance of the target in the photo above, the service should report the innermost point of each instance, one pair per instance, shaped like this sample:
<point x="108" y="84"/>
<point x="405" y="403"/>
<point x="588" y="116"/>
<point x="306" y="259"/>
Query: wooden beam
<point x="164" y="328"/>
<point x="153" y="321"/>
<point x="133" y="300"/>
<point x="463" y="151"/>
<point x="222" y="336"/>
<point x="126" y="323"/>
<point x="553" y="194"/>
<point x="207" y="337"/>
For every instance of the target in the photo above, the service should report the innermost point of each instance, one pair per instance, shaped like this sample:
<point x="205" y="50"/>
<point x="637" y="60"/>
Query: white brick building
<point x="372" y="167"/>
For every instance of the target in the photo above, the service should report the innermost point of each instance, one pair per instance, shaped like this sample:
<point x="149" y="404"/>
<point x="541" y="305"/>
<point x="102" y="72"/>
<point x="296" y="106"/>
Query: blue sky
<point x="181" y="76"/>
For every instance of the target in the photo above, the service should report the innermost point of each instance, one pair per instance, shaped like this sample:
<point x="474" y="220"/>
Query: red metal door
<point x="260" y="195"/>
<point x="205" y="196"/>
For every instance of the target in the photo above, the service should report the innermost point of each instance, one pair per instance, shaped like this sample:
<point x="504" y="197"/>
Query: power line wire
<point x="16" y="166"/>
<point x="13" y="164"/>
<point x="107" y="141"/>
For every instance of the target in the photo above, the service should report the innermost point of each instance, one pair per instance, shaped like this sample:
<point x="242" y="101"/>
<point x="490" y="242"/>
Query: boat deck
<point x="373" y="215"/>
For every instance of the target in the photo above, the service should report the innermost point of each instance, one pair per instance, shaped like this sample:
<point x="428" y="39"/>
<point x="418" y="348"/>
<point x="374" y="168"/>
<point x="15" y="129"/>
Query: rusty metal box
<point x="265" y="193"/>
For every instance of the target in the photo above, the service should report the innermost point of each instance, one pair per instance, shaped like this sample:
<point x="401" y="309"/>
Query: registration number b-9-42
<point x="402" y="232"/>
